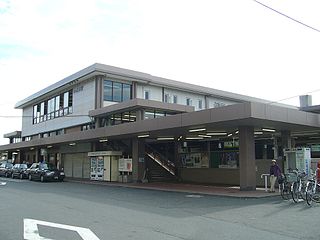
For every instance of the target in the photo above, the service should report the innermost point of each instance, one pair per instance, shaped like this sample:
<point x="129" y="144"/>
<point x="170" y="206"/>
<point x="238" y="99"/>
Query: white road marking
<point x="31" y="231"/>
<point x="2" y="183"/>
<point x="193" y="196"/>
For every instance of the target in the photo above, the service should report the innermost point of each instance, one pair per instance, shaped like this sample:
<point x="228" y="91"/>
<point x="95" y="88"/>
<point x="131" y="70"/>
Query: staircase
<point x="160" y="169"/>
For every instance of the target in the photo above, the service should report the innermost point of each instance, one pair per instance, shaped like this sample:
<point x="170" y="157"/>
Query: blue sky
<point x="232" y="45"/>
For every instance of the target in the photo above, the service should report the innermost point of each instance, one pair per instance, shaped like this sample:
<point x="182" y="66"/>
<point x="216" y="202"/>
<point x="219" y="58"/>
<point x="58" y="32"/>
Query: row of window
<point x="167" y="99"/>
<point x="118" y="118"/>
<point x="57" y="106"/>
<point x="116" y="91"/>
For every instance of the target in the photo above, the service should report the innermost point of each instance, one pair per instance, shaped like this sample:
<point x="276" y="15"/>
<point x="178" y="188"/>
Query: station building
<point x="113" y="124"/>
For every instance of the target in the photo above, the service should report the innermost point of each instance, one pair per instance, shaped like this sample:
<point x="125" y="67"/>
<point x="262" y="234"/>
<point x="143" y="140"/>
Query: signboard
<point x="125" y="165"/>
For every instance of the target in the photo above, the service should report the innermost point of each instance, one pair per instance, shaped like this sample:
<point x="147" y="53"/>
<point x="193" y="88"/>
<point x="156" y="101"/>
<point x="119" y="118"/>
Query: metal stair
<point x="160" y="168"/>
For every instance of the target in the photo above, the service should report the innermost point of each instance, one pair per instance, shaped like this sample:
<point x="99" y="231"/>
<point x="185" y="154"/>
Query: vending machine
<point x="297" y="158"/>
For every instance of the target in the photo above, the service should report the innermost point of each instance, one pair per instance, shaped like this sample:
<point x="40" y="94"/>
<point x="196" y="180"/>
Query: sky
<point x="238" y="46"/>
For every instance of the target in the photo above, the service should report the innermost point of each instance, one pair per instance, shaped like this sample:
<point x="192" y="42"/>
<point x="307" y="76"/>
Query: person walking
<point x="275" y="172"/>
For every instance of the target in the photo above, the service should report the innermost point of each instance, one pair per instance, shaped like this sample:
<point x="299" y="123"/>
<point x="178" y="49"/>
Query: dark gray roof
<point x="98" y="69"/>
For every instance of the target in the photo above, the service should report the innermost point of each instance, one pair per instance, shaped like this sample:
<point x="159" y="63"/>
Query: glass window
<point x="65" y="99"/>
<point x="70" y="100"/>
<point x="200" y="104"/>
<point x="175" y="99"/>
<point x="107" y="88"/>
<point x="189" y="101"/>
<point x="167" y="98"/>
<point x="146" y="95"/>
<point x="148" y="114"/>
<point x="126" y="94"/>
<point x="42" y="109"/>
<point x="117" y="92"/>
<point x="159" y="114"/>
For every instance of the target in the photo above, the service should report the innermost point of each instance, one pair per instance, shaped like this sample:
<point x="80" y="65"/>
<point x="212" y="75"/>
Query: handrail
<point x="160" y="159"/>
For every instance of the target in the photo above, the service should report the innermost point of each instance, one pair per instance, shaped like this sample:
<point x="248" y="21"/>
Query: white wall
<point x="156" y="94"/>
<point x="83" y="102"/>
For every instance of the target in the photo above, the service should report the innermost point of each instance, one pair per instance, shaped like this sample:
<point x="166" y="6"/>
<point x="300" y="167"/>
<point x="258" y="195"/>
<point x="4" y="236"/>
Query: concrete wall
<point x="211" y="175"/>
<point x="83" y="101"/>
<point x="225" y="176"/>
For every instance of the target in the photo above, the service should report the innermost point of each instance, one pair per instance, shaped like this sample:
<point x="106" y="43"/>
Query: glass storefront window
<point x="117" y="92"/>
<point x="107" y="90"/>
<point x="126" y="93"/>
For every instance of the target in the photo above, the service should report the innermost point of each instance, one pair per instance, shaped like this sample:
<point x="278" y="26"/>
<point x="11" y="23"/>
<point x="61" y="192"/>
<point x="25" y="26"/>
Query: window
<point x="167" y="98"/>
<point x="200" y="104"/>
<point x="116" y="91"/>
<point x="56" y="106"/>
<point x="146" y="95"/>
<point x="175" y="99"/>
<point x="188" y="101"/>
<point x="126" y="92"/>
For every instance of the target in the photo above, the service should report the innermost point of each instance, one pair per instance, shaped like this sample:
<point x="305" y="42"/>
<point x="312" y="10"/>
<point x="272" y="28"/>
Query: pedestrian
<point x="275" y="172"/>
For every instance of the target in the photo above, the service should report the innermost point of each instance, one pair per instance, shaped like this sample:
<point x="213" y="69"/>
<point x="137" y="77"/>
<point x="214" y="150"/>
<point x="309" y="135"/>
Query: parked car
<point x="45" y="172"/>
<point x="5" y="169"/>
<point x="20" y="170"/>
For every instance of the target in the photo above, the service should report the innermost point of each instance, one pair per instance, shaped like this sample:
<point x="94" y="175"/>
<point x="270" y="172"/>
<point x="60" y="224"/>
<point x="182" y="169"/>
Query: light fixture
<point x="204" y="136"/>
<point x="217" y="133"/>
<point x="197" y="130"/>
<point x="194" y="138"/>
<point x="165" y="138"/>
<point x="72" y="144"/>
<point x="144" y="136"/>
<point x="49" y="146"/>
<point x="179" y="138"/>
<point x="258" y="133"/>
<point x="236" y="132"/>
<point x="268" y="130"/>
<point x="32" y="148"/>
<point x="103" y="140"/>
<point x="229" y="135"/>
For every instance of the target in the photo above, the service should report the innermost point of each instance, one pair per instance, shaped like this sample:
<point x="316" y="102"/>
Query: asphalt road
<point x="123" y="213"/>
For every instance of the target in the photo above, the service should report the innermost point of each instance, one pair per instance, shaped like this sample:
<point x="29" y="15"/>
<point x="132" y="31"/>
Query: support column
<point x="286" y="139"/>
<point x="247" y="159"/>
<point x="138" y="158"/>
<point x="99" y="92"/>
<point x="275" y="148"/>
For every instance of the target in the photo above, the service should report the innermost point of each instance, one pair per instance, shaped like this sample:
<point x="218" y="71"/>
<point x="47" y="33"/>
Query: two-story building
<point x="104" y="122"/>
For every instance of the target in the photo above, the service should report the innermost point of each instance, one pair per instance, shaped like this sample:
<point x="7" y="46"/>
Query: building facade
<point x="108" y="123"/>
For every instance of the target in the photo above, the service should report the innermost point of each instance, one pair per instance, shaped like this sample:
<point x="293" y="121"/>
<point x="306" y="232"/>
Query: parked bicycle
<point x="313" y="190"/>
<point x="285" y="187"/>
<point x="298" y="188"/>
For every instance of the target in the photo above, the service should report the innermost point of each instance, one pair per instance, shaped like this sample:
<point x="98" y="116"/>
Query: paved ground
<point x="112" y="212"/>
<point x="227" y="191"/>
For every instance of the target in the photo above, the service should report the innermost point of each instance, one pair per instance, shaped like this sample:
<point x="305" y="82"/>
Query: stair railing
<point x="160" y="159"/>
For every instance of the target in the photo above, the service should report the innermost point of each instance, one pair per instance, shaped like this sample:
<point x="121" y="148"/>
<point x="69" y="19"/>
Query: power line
<point x="293" y="96"/>
<point x="272" y="9"/>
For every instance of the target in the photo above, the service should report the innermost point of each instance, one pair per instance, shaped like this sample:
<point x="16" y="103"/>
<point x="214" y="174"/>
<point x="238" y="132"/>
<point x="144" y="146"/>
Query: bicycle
<point x="298" y="187"/>
<point x="313" y="190"/>
<point x="285" y="187"/>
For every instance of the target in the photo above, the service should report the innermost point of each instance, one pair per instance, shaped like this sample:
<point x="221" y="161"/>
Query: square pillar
<point x="247" y="160"/>
<point x="286" y="139"/>
<point x="138" y="159"/>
